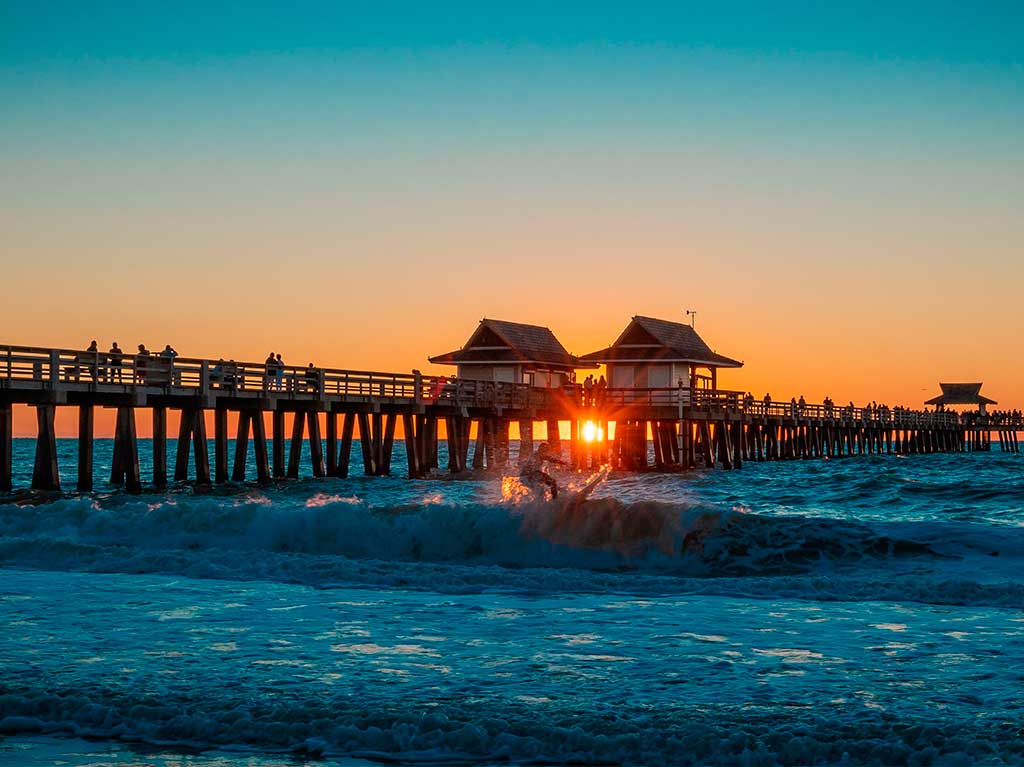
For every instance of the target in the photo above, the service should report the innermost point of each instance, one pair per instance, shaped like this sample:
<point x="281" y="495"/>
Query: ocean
<point x="865" y="610"/>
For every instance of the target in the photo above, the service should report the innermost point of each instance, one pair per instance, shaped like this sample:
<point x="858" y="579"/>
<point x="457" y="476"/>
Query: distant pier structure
<point x="662" y="381"/>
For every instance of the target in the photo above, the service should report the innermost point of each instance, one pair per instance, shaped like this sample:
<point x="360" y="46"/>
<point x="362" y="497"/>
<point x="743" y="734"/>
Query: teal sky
<point x="567" y="164"/>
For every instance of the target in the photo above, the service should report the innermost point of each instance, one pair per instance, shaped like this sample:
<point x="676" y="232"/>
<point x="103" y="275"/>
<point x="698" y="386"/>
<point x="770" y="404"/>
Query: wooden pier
<point x="691" y="428"/>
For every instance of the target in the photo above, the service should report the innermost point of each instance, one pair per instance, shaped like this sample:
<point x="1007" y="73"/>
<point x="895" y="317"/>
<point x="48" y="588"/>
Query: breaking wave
<point x="605" y="544"/>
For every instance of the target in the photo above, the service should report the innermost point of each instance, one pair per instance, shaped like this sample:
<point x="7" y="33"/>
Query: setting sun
<point x="592" y="433"/>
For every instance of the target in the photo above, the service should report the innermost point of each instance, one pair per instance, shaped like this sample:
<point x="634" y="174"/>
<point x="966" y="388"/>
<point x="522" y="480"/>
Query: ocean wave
<point x="518" y="731"/>
<point x="647" y="547"/>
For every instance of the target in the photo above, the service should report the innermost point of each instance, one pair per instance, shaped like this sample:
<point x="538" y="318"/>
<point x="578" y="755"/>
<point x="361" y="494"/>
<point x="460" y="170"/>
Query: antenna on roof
<point x="692" y="314"/>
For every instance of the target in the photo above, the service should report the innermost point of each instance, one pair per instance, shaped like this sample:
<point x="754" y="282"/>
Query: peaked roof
<point x="961" y="394"/>
<point x="651" y="339"/>
<point x="501" y="341"/>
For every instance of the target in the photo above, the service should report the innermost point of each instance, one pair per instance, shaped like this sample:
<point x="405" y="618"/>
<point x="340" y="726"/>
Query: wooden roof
<point x="503" y="342"/>
<point x="647" y="339"/>
<point x="961" y="394"/>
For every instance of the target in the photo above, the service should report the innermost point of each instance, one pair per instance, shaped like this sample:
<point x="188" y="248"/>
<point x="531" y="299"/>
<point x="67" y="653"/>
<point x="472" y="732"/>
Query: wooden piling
<point x="454" y="434"/>
<point x="160" y="446"/>
<point x="45" y="474"/>
<point x="259" y="440"/>
<point x="117" y="461"/>
<point x="388" y="445"/>
<point x="478" y="448"/>
<point x="316" y="447"/>
<point x="130" y="452"/>
<point x="366" y="442"/>
<point x="6" y="447"/>
<point x="241" y="447"/>
<point x="332" y="443"/>
<point x="184" y="442"/>
<point x="85" y="448"/>
<point x="525" y="438"/>
<point x="277" y="448"/>
<point x="220" y="444"/>
<point x="199" y="448"/>
<point x="345" y="453"/>
<point x="412" y="457"/>
<point x="295" y="446"/>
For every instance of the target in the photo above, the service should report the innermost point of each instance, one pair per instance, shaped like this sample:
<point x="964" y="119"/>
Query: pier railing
<point x="111" y="371"/>
<point x="38" y="367"/>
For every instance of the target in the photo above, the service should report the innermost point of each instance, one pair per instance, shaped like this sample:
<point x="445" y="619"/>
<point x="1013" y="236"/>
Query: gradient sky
<point x="835" y="188"/>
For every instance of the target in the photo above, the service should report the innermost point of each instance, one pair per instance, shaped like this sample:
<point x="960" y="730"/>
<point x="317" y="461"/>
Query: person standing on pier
<point x="588" y="391"/>
<point x="312" y="378"/>
<point x="270" y="366"/>
<point x="90" y="359"/>
<point x="599" y="391"/>
<point x="141" y="360"/>
<point x="116" y="357"/>
<point x="279" y="371"/>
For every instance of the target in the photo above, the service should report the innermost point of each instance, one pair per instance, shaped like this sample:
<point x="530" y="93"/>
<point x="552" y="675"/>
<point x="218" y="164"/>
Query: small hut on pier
<point x="660" y="354"/>
<point x="513" y="352"/>
<point x="961" y="394"/>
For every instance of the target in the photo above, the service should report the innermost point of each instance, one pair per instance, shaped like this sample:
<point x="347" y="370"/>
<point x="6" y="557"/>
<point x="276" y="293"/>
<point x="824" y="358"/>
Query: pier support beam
<point x="412" y="457"/>
<point x="278" y="447"/>
<point x="192" y="429"/>
<point x="316" y="446"/>
<point x="45" y="474"/>
<point x="85" y="445"/>
<point x="220" y="444"/>
<point x="6" y="447"/>
<point x="160" y="446"/>
<point x="241" y="446"/>
<point x="295" y="446"/>
<point x="332" y="443"/>
<point x="124" y="469"/>
<point x="366" y="442"/>
<point x="453" y="430"/>
<point x="259" y="441"/>
<point x="345" y="454"/>
<point x="388" y="445"/>
<point x="202" y="455"/>
<point x="130" y="451"/>
<point x="525" y="438"/>
<point x="478" y="448"/>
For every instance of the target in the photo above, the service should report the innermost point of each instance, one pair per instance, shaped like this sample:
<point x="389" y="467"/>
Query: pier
<point x="690" y="428"/>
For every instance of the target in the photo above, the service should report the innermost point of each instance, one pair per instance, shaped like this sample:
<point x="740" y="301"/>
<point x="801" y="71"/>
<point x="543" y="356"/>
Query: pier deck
<point x="690" y="428"/>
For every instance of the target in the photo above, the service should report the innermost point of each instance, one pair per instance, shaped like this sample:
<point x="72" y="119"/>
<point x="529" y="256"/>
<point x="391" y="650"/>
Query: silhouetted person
<point x="312" y="378"/>
<point x="230" y="377"/>
<point x="141" y="360"/>
<point x="279" y="371"/>
<point x="116" y="357"/>
<point x="533" y="475"/>
<point x="599" y="391"/>
<point x="217" y="374"/>
<point x="270" y="366"/>
<point x="168" y="352"/>
<point x="90" y="359"/>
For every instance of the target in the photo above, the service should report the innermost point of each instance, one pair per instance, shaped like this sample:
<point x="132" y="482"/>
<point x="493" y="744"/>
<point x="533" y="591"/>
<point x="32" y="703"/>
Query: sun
<point x="592" y="433"/>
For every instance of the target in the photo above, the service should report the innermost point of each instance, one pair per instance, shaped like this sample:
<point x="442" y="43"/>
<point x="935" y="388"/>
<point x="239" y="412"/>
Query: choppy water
<point x="865" y="610"/>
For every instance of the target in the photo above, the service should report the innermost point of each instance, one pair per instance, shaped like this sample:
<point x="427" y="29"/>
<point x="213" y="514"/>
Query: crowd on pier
<point x="158" y="369"/>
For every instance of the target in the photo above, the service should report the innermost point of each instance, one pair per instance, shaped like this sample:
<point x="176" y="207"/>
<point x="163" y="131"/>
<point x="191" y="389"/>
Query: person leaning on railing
<point x="312" y="378"/>
<point x="90" y="359"/>
<point x="116" y="360"/>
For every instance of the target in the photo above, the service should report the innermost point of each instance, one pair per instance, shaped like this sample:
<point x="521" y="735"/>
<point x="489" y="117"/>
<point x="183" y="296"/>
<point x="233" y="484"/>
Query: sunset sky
<point x="836" y="188"/>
